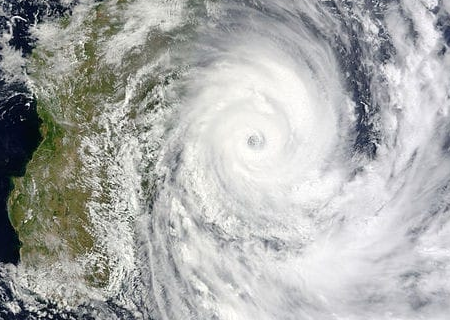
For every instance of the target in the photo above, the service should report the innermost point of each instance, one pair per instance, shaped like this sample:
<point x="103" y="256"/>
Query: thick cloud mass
<point x="306" y="176"/>
<point x="299" y="162"/>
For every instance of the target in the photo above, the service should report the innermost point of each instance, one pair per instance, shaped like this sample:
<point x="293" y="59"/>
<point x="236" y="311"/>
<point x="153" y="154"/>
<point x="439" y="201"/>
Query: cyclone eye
<point x="256" y="141"/>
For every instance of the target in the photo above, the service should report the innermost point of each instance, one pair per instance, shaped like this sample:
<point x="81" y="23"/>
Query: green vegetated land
<point x="48" y="206"/>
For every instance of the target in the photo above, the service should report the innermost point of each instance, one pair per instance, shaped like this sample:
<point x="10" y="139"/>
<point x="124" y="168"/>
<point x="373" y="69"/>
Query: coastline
<point x="19" y="129"/>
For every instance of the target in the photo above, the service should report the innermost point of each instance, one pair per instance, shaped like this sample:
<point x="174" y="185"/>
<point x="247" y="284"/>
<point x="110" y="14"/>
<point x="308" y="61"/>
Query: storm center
<point x="256" y="141"/>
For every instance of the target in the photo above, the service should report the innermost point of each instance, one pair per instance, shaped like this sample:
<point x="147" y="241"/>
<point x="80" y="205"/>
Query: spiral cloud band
<point x="264" y="160"/>
<point x="267" y="209"/>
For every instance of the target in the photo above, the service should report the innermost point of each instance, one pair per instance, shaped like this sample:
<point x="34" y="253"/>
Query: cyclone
<point x="244" y="160"/>
<point x="255" y="159"/>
